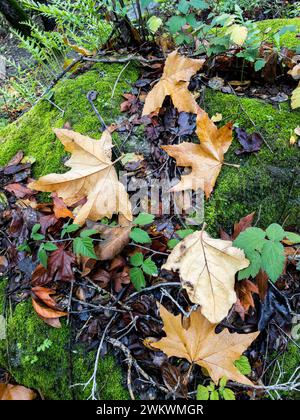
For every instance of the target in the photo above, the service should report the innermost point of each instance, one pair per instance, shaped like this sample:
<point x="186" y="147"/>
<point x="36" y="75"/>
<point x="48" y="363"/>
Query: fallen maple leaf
<point x="174" y="82"/>
<point x="200" y="344"/>
<point x="295" y="100"/>
<point x="92" y="175"/>
<point x="19" y="190"/>
<point x="60" y="264"/>
<point x="205" y="159"/>
<point x="16" y="392"/>
<point x="207" y="268"/>
<point x="295" y="72"/>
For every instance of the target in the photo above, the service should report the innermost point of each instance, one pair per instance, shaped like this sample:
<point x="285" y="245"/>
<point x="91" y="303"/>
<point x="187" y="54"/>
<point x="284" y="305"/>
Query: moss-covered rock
<point x="271" y="26"/>
<point x="44" y="358"/>
<point x="267" y="182"/>
<point x="33" y="131"/>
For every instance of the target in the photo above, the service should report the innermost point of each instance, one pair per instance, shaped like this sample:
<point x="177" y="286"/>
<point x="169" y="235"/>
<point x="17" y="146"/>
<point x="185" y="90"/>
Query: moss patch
<point x="53" y="370"/>
<point x="267" y="183"/>
<point x="271" y="26"/>
<point x="33" y="131"/>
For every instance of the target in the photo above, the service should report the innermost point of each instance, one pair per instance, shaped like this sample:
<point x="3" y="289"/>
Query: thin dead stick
<point x="126" y="351"/>
<point x="118" y="79"/>
<point x="232" y="164"/>
<point x="138" y="58"/>
<point x="155" y="286"/>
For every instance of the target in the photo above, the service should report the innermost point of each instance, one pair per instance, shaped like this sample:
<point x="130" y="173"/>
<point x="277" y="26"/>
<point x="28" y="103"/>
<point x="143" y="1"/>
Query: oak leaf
<point x="174" y="82"/>
<point x="200" y="344"/>
<point x="9" y="392"/>
<point x="207" y="268"/>
<point x="92" y="175"/>
<point x="206" y="158"/>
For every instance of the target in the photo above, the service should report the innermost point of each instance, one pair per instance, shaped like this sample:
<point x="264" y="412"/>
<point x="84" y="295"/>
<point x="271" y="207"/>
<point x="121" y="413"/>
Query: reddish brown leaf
<point x="61" y="211"/>
<point x="16" y="159"/>
<point x="3" y="264"/>
<point x="262" y="284"/>
<point x="16" y="392"/>
<point x="243" y="224"/>
<point x="130" y="104"/>
<point x="20" y="191"/>
<point x="40" y="276"/>
<point x="45" y="312"/>
<point x="102" y="277"/>
<point x="244" y="290"/>
<point x="60" y="264"/>
<point x="47" y="221"/>
<point x="43" y="293"/>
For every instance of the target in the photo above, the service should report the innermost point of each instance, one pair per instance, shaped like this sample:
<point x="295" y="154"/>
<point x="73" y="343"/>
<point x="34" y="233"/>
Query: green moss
<point x="271" y="26"/>
<point x="33" y="134"/>
<point x="267" y="183"/>
<point x="53" y="371"/>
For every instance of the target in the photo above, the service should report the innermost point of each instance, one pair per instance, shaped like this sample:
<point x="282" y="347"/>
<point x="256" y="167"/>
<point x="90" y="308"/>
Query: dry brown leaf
<point x="46" y="312"/>
<point x="115" y="239"/>
<point x="92" y="175"/>
<point x="200" y="344"/>
<point x="207" y="268"/>
<point x="205" y="159"/>
<point x="60" y="210"/>
<point x="244" y="289"/>
<point x="174" y="82"/>
<point x="16" y="392"/>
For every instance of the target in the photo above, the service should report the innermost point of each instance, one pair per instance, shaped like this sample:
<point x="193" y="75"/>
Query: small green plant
<point x="43" y="248"/>
<point x="83" y="244"/>
<point x="139" y="235"/>
<point x="181" y="233"/>
<point x="210" y="392"/>
<point x="141" y="266"/>
<point x="264" y="250"/>
<point x="33" y="358"/>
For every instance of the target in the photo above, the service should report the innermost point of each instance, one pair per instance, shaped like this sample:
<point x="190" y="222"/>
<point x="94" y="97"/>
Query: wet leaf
<point x="249" y="142"/>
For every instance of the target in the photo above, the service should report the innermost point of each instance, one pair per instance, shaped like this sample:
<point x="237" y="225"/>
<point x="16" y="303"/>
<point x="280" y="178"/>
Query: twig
<point x="155" y="286"/>
<point x="118" y="79"/>
<point x="148" y="249"/>
<point x="186" y="314"/>
<point x="130" y="359"/>
<point x="138" y="58"/>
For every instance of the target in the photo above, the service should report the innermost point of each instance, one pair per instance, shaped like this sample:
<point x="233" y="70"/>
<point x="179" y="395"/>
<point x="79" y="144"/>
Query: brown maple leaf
<point x="92" y="175"/>
<point x="205" y="159"/>
<point x="60" y="264"/>
<point x="174" y="82"/>
<point x="45" y="306"/>
<point x="239" y="227"/>
<point x="200" y="344"/>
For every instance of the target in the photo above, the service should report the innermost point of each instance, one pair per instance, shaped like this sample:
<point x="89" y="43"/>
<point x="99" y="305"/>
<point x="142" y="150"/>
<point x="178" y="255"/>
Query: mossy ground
<point x="271" y="26"/>
<point x="33" y="131"/>
<point x="267" y="182"/>
<point x="52" y="371"/>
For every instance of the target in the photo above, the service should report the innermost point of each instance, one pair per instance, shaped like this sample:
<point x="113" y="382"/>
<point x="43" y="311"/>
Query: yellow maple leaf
<point x="174" y="82"/>
<point x="92" y="175"/>
<point x="295" y="100"/>
<point x="200" y="344"/>
<point x="207" y="267"/>
<point x="205" y="159"/>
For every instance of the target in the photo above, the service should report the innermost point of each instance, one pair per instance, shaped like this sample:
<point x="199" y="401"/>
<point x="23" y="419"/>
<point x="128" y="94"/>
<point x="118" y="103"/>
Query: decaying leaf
<point x="81" y="50"/>
<point x="92" y="175"/>
<point x="200" y="344"/>
<point x="244" y="290"/>
<point x="60" y="210"/>
<point x="114" y="240"/>
<point x="16" y="392"/>
<point x="295" y="72"/>
<point x="46" y="306"/>
<point x="207" y="268"/>
<point x="174" y="82"/>
<point x="205" y="159"/>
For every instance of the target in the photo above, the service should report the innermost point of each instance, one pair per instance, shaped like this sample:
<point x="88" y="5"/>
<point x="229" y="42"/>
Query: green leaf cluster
<point x="264" y="250"/>
<point x="141" y="266"/>
<point x="210" y="392"/>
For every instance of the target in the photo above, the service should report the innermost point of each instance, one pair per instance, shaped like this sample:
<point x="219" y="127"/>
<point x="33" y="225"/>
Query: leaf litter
<point x="93" y="284"/>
